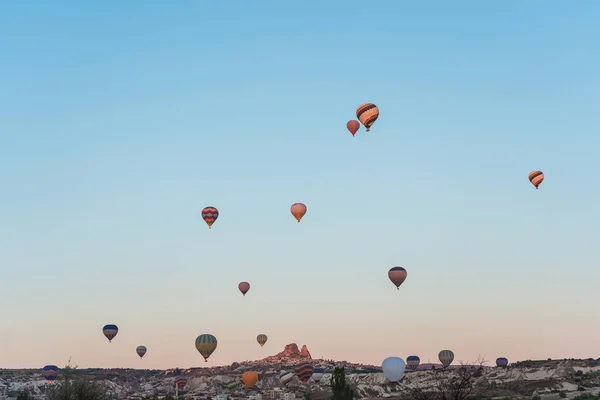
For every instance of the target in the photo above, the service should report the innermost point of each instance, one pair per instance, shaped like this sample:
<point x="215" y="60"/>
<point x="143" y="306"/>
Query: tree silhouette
<point x="341" y="389"/>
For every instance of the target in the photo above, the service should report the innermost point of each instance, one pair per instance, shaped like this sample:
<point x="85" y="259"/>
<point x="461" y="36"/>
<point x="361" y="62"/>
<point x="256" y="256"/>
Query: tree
<point x="71" y="387"/>
<point x="341" y="389"/>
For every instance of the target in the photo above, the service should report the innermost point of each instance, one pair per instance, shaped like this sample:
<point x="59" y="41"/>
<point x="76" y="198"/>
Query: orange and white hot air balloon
<point x="536" y="177"/>
<point x="353" y="126"/>
<point x="298" y="210"/>
<point x="367" y="114"/>
<point x="244" y="287"/>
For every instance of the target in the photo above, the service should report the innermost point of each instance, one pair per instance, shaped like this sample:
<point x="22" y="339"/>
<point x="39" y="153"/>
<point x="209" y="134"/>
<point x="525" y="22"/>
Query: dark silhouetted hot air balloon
<point x="261" y="339"/>
<point x="298" y="210"/>
<point x="110" y="331"/>
<point x="367" y="114"/>
<point x="244" y="287"/>
<point x="536" y="178"/>
<point x="206" y="345"/>
<point x="397" y="275"/>
<point x="393" y="368"/>
<point x="140" y="350"/>
<point x="250" y="378"/>
<point x="210" y="215"/>
<point x="502" y="362"/>
<point x="413" y="362"/>
<point x="180" y="384"/>
<point x="446" y="357"/>
<point x="50" y="372"/>
<point x="285" y="377"/>
<point x="304" y="371"/>
<point x="317" y="374"/>
<point x="353" y="126"/>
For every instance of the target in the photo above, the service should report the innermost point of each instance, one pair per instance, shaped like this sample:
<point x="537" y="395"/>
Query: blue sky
<point x="120" y="121"/>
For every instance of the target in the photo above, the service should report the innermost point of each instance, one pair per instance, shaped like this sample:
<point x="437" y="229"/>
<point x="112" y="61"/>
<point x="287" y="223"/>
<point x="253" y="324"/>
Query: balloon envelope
<point x="141" y="350"/>
<point x="244" y="287"/>
<point x="206" y="344"/>
<point x="397" y="275"/>
<point x="367" y="114"/>
<point x="393" y="368"/>
<point x="50" y="372"/>
<point x="286" y="377"/>
<point x="353" y="126"/>
<point x="413" y="362"/>
<point x="110" y="331"/>
<point x="250" y="378"/>
<point x="261" y="339"/>
<point x="304" y="371"/>
<point x="536" y="178"/>
<point x="298" y="210"/>
<point x="502" y="362"/>
<point x="210" y="215"/>
<point x="446" y="357"/>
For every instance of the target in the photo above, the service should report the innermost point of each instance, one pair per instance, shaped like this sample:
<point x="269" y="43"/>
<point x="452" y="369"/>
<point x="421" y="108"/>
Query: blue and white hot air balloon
<point x="393" y="368"/>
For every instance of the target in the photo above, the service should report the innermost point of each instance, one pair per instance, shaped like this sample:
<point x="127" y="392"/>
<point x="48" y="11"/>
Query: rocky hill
<point x="550" y="379"/>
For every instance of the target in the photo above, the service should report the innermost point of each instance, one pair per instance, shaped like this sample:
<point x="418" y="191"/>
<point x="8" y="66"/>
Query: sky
<point x="120" y="121"/>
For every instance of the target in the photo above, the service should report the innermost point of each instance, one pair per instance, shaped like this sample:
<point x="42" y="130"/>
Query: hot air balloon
<point x="232" y="385"/>
<point x="536" y="177"/>
<point x="304" y="371"/>
<point x="393" y="368"/>
<point x="317" y="374"/>
<point x="210" y="215"/>
<point x="446" y="357"/>
<point x="110" y="331"/>
<point x="261" y="339"/>
<point x="244" y="287"/>
<point x="250" y="378"/>
<point x="367" y="114"/>
<point x="298" y="210"/>
<point x="180" y="383"/>
<point x="285" y="377"/>
<point x="397" y="275"/>
<point x="502" y="362"/>
<point x="206" y="345"/>
<point x="50" y="372"/>
<point x="140" y="350"/>
<point x="353" y="126"/>
<point x="413" y="362"/>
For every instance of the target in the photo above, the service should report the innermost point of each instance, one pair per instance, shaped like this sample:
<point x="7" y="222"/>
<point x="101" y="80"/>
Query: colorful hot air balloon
<point x="536" y="177"/>
<point x="367" y="114"/>
<point x="140" y="350"/>
<point x="110" y="331"/>
<point x="50" y="372"/>
<point x="285" y="377"/>
<point x="502" y="362"/>
<point x="232" y="385"/>
<point x="210" y="215"/>
<point x="298" y="210"/>
<point x="250" y="378"/>
<point x="261" y="339"/>
<point x="244" y="287"/>
<point x="393" y="368"/>
<point x="317" y="374"/>
<point x="206" y="345"/>
<point x="180" y="383"/>
<point x="304" y="371"/>
<point x="446" y="357"/>
<point x="353" y="126"/>
<point x="397" y="275"/>
<point x="413" y="362"/>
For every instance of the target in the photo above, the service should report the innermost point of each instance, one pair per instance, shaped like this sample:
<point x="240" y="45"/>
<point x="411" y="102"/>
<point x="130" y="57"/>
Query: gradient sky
<point x="120" y="121"/>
